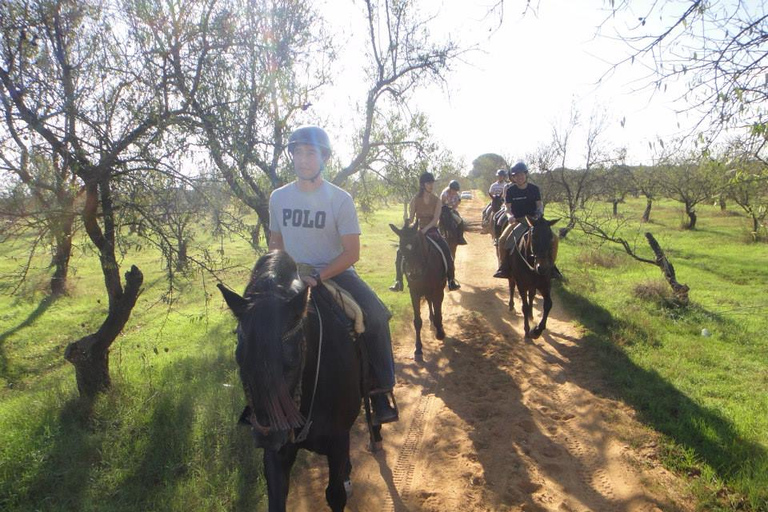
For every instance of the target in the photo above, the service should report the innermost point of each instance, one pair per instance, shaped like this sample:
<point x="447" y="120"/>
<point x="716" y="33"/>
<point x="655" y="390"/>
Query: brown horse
<point x="532" y="263"/>
<point x="425" y="273"/>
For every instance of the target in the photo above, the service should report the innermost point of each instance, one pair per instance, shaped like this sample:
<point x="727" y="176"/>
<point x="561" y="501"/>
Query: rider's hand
<point x="312" y="279"/>
<point x="511" y="218"/>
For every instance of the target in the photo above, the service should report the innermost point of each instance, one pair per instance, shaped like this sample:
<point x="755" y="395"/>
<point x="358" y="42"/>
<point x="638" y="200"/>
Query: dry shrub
<point x="655" y="290"/>
<point x="599" y="258"/>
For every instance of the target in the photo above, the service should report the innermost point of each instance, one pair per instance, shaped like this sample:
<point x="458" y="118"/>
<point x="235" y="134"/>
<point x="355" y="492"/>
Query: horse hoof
<point x="348" y="487"/>
<point x="376" y="446"/>
<point x="440" y="334"/>
<point x="535" y="334"/>
<point x="418" y="357"/>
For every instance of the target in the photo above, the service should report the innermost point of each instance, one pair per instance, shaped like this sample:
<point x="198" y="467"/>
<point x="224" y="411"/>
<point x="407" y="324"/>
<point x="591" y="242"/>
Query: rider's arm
<point x="539" y="209"/>
<point x="435" y="218"/>
<point x="350" y="253"/>
<point x="276" y="241"/>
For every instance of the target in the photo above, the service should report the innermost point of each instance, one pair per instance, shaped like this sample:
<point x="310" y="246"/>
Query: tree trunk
<point x="90" y="355"/>
<point x="182" y="261"/>
<point x="691" y="217"/>
<point x="60" y="262"/>
<point x="615" y="208"/>
<point x="647" y="212"/>
<point x="680" y="290"/>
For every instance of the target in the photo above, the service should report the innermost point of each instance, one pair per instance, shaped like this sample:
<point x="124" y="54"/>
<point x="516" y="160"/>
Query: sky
<point x="527" y="74"/>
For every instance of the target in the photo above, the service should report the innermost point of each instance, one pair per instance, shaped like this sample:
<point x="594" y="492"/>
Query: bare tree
<point x="717" y="47"/>
<point x="107" y="106"/>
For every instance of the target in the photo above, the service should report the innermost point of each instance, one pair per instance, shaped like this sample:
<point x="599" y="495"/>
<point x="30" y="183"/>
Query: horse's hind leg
<point x="511" y="304"/>
<point x="339" y="468"/>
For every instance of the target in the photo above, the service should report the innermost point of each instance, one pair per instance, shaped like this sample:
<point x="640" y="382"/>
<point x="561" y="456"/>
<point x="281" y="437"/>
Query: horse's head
<point x="496" y="203"/>
<point x="270" y="346"/>
<point x="541" y="244"/>
<point x="411" y="247"/>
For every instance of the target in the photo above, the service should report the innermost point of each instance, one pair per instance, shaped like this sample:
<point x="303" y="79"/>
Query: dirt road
<point x="494" y="422"/>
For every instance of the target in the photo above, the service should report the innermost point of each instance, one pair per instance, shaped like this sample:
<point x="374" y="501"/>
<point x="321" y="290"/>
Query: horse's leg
<point x="526" y="308"/>
<point x="339" y="468"/>
<point x="511" y="281"/>
<point x="374" y="431"/>
<point x="277" y="469"/>
<point x="547" y="306"/>
<point x="418" y="355"/>
<point x="531" y="296"/>
<point x="437" y="300"/>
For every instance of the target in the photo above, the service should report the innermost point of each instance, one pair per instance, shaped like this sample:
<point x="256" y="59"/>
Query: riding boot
<point x="460" y="229"/>
<point x="503" y="270"/>
<point x="383" y="410"/>
<point x="556" y="274"/>
<point x="398" y="285"/>
<point x="453" y="285"/>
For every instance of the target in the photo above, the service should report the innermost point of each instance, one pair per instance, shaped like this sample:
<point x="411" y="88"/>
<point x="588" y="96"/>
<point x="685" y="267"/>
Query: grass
<point x="707" y="394"/>
<point x="165" y="437"/>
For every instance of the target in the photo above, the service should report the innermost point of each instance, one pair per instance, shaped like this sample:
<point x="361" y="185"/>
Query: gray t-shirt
<point x="312" y="223"/>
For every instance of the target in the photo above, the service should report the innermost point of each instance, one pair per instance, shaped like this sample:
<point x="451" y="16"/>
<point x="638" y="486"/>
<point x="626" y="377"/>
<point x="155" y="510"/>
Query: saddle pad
<point x="343" y="298"/>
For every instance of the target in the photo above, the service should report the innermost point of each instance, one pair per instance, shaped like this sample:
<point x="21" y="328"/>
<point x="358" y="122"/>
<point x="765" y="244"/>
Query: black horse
<point x="489" y="216"/>
<point x="449" y="229"/>
<point x="425" y="273"/>
<point x="301" y="373"/>
<point x="532" y="263"/>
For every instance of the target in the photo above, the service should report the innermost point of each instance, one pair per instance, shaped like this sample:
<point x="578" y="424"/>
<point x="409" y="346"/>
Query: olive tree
<point x="83" y="80"/>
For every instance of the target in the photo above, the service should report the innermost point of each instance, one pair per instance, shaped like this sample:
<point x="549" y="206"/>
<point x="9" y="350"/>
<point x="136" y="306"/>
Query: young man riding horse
<point x="521" y="199"/>
<point x="425" y="207"/>
<point x="316" y="223"/>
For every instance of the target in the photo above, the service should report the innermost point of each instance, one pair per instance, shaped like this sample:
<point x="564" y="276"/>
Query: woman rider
<point x="425" y="207"/>
<point x="521" y="199"/>
<point x="451" y="199"/>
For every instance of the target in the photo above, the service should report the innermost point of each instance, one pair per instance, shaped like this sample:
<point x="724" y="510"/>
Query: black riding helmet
<point x="312" y="135"/>
<point x="454" y="185"/>
<point x="426" y="177"/>
<point x="519" y="167"/>
<point x="501" y="172"/>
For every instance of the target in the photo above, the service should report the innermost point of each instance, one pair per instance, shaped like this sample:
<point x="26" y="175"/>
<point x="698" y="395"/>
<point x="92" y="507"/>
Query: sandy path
<point x="492" y="421"/>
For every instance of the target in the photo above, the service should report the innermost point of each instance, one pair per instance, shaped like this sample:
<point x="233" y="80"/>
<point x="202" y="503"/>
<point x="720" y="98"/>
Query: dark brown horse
<point x="449" y="229"/>
<point x="532" y="263"/>
<point x="425" y="273"/>
<point x="301" y="373"/>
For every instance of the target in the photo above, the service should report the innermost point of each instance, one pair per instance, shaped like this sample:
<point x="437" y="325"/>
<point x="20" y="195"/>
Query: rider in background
<point x="316" y="223"/>
<point x="451" y="199"/>
<point x="497" y="189"/>
<point x="499" y="186"/>
<point x="521" y="199"/>
<point x="425" y="208"/>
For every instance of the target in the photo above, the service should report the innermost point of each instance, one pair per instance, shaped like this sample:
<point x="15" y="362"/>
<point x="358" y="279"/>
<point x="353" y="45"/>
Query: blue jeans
<point x="376" y="337"/>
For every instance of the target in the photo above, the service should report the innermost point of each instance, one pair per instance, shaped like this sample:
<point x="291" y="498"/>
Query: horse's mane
<point x="274" y="273"/>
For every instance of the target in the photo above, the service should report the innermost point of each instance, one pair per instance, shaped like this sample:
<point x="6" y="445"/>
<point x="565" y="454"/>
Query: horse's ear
<point x="553" y="222"/>
<point x="395" y="229"/>
<point x="236" y="303"/>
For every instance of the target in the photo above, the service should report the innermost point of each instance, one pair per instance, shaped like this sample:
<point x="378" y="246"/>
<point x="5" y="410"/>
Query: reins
<point x="305" y="429"/>
<point x="528" y="241"/>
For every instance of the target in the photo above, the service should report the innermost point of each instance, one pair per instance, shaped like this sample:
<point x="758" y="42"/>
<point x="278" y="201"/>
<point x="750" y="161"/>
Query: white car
<point x="466" y="195"/>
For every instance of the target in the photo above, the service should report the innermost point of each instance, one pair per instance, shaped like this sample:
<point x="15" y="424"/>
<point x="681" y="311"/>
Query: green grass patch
<point x="697" y="374"/>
